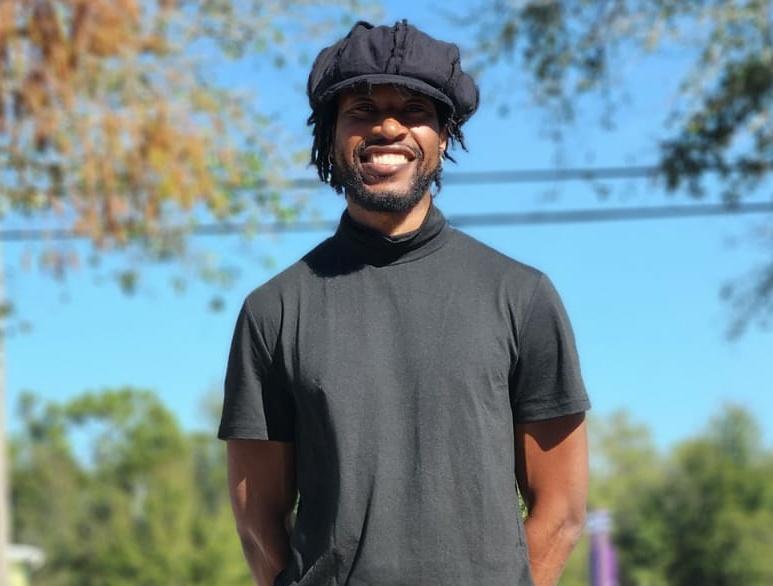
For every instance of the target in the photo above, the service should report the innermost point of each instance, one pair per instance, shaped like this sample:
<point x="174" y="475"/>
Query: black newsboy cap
<point x="401" y="55"/>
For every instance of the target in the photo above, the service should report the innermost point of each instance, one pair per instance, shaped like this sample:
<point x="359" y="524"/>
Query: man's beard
<point x="350" y="178"/>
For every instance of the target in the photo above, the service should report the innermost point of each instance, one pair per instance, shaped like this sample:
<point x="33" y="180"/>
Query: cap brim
<point x="411" y="83"/>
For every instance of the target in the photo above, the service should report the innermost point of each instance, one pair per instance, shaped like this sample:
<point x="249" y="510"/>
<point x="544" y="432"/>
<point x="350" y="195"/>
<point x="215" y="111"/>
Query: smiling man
<point x="402" y="378"/>
<point x="392" y="173"/>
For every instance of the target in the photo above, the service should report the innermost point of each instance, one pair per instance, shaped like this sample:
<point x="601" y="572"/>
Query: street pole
<point x="5" y="517"/>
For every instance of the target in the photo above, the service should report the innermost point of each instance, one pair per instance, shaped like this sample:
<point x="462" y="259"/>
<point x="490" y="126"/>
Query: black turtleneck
<point x="398" y="367"/>
<point x="379" y="249"/>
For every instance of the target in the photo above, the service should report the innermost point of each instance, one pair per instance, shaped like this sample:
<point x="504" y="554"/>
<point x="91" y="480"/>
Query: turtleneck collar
<point x="379" y="249"/>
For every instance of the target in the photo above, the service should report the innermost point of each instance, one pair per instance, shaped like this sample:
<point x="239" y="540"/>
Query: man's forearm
<point x="267" y="553"/>
<point x="550" y="540"/>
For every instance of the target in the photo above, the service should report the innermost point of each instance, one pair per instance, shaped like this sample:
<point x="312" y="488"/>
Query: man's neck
<point x="391" y="223"/>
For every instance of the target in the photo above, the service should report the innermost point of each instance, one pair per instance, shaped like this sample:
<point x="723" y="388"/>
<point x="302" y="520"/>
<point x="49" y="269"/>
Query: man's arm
<point x="261" y="480"/>
<point x="552" y="474"/>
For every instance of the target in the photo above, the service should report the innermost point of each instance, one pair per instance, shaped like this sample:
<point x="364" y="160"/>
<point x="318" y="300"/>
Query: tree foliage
<point x="625" y="467"/>
<point x="115" y="493"/>
<point x="720" y="126"/>
<point x="701" y="514"/>
<point x="710" y="518"/>
<point x="116" y="120"/>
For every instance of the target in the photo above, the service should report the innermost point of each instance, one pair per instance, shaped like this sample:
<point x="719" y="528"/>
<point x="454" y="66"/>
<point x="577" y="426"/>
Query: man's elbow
<point x="249" y="533"/>
<point x="564" y="523"/>
<point x="248" y="538"/>
<point x="268" y="527"/>
<point x="572" y="526"/>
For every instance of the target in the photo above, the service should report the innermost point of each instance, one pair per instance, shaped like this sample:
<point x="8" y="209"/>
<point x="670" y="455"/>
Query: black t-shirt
<point x="398" y="367"/>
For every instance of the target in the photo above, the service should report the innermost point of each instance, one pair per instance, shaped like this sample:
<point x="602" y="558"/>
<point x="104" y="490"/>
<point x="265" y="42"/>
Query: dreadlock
<point x="323" y="122"/>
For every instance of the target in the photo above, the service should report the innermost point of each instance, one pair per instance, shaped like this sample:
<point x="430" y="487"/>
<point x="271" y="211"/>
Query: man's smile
<point x="384" y="161"/>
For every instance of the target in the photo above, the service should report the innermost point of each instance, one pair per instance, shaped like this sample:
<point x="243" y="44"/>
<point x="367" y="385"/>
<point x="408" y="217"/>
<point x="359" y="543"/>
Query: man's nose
<point x="390" y="128"/>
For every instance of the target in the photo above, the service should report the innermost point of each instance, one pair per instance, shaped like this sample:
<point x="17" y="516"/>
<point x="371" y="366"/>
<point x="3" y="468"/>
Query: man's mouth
<point x="385" y="161"/>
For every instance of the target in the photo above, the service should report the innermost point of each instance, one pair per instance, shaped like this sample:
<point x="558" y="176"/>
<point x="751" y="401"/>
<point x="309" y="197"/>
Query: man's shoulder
<point x="288" y="283"/>
<point x="489" y="261"/>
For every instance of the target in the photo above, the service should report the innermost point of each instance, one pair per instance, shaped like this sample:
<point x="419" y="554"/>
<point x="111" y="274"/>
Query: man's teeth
<point x="388" y="159"/>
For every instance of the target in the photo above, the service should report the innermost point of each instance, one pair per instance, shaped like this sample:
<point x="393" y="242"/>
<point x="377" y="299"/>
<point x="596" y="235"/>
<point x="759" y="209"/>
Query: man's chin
<point x="386" y="194"/>
<point x="384" y="201"/>
<point x="386" y="189"/>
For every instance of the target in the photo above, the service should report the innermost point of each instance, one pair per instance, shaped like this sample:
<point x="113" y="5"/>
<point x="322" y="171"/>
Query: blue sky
<point x="643" y="295"/>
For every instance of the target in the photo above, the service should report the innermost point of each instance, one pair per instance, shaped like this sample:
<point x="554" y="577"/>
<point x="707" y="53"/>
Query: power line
<point x="512" y="176"/>
<point x="544" y="175"/>
<point x="458" y="178"/>
<point x="460" y="220"/>
<point x="626" y="214"/>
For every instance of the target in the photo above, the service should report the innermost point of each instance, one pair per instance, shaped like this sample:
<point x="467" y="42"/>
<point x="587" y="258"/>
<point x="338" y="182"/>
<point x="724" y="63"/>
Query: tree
<point x="721" y="125"/>
<point x="115" y="493"/>
<point x="113" y="123"/>
<point x="624" y="460"/>
<point x="709" y="519"/>
<point x="700" y="514"/>
<point x="626" y="470"/>
<point x="624" y="467"/>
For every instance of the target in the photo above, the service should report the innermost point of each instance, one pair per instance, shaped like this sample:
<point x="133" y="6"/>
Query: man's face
<point x="387" y="147"/>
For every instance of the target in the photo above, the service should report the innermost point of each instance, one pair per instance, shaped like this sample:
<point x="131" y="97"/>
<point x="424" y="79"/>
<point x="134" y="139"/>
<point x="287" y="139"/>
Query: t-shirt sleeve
<point x="257" y="403"/>
<point x="546" y="380"/>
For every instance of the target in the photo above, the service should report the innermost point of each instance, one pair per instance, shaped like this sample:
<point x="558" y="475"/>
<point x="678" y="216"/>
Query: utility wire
<point x="607" y="215"/>
<point x="546" y="175"/>
<point x="460" y="220"/>
<point x="463" y="178"/>
<point x="511" y="176"/>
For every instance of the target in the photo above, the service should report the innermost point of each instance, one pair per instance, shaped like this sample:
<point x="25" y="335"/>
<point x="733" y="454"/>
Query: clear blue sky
<point x="643" y="295"/>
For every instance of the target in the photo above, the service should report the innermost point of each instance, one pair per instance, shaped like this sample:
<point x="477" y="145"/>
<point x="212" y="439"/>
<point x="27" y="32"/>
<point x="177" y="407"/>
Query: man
<point x="401" y="376"/>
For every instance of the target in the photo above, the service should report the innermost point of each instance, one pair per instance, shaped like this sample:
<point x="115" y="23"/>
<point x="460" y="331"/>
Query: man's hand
<point x="552" y="473"/>
<point x="261" y="480"/>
